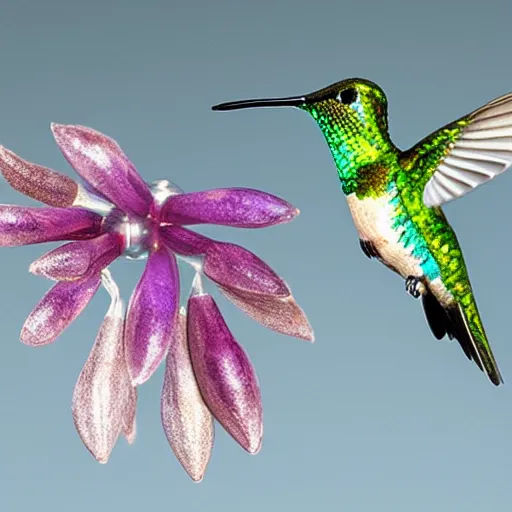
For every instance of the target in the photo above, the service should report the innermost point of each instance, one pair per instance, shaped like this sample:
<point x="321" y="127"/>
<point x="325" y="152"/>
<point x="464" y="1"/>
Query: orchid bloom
<point x="116" y="214"/>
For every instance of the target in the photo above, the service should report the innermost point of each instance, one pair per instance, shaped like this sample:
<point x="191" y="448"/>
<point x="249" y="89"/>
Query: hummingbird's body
<point x="395" y="227"/>
<point x="384" y="227"/>
<point x="395" y="196"/>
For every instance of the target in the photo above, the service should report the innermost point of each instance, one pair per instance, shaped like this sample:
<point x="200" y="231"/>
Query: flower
<point x="115" y="213"/>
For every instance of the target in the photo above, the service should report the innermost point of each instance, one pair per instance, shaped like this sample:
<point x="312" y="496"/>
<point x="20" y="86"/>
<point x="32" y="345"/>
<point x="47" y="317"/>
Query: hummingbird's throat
<point x="357" y="144"/>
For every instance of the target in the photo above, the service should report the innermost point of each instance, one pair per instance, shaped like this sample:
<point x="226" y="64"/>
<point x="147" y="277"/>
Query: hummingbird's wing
<point x="464" y="154"/>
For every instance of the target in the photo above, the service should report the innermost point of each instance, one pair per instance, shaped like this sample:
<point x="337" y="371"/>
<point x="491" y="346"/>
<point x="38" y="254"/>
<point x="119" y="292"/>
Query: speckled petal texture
<point x="280" y="314"/>
<point x="99" y="160"/>
<point x="74" y="260"/>
<point x="238" y="269"/>
<point x="187" y="422"/>
<point x="20" y="225"/>
<point x="151" y="315"/>
<point x="184" y="241"/>
<point x="236" y="207"/>
<point x="102" y="392"/>
<point x="129" y="416"/>
<point x="57" y="309"/>
<point x="224" y="373"/>
<point x="36" y="181"/>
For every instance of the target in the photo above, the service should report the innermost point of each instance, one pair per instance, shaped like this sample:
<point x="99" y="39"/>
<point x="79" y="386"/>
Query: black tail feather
<point x="449" y="321"/>
<point x="436" y="316"/>
<point x="461" y="334"/>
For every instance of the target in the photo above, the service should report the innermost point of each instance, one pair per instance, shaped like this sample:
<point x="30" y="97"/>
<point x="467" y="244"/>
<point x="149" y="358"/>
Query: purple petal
<point x="21" y="225"/>
<point x="36" y="181"/>
<point x="151" y="315"/>
<point x="239" y="270"/>
<point x="183" y="241"/>
<point x="187" y="422"/>
<point x="72" y="261"/>
<point x="103" y="390"/>
<point x="280" y="314"/>
<point x="237" y="207"/>
<point x="99" y="160"/>
<point x="224" y="373"/>
<point x="58" y="309"/>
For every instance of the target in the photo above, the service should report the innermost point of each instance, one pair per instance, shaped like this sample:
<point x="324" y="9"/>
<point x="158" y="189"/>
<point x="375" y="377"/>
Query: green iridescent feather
<point x="416" y="167"/>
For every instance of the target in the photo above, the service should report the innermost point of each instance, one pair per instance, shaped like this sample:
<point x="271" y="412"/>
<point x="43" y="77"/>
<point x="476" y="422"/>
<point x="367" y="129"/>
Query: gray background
<point x="377" y="415"/>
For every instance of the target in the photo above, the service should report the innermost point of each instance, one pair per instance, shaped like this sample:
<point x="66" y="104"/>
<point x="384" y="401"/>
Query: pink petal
<point x="151" y="315"/>
<point x="99" y="160"/>
<point x="58" y="309"/>
<point x="183" y="241"/>
<point x="103" y="390"/>
<point x="239" y="270"/>
<point x="129" y="422"/>
<point x="224" y="373"/>
<point x="229" y="265"/>
<point x="187" y="422"/>
<point x="21" y="225"/>
<point x="237" y="207"/>
<point x="36" y="181"/>
<point x="280" y="314"/>
<point x="74" y="260"/>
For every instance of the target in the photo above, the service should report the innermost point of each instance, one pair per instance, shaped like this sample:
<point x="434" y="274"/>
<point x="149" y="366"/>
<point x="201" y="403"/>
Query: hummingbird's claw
<point x="414" y="286"/>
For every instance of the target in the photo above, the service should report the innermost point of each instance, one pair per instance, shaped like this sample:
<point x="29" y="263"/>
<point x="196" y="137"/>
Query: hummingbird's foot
<point x="414" y="286"/>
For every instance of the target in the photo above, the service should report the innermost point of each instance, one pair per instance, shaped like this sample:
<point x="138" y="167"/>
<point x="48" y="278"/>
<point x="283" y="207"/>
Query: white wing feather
<point x="483" y="150"/>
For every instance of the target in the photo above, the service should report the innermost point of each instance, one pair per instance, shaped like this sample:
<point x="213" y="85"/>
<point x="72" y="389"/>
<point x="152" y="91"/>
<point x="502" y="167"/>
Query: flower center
<point x="137" y="237"/>
<point x="138" y="232"/>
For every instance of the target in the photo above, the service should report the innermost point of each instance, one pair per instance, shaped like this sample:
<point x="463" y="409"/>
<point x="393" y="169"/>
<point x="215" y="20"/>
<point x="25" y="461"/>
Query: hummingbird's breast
<point x="385" y="222"/>
<point x="374" y="218"/>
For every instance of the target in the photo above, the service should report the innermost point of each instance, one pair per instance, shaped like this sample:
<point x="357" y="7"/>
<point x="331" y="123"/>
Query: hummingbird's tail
<point x="462" y="322"/>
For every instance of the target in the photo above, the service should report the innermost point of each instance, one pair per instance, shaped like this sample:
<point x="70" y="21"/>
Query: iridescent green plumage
<point x="394" y="196"/>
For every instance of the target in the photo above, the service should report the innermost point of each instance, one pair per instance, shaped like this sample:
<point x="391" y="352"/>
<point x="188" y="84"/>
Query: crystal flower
<point x="116" y="214"/>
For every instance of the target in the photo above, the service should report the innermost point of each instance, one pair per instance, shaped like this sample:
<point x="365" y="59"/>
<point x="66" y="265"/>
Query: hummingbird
<point x="395" y="196"/>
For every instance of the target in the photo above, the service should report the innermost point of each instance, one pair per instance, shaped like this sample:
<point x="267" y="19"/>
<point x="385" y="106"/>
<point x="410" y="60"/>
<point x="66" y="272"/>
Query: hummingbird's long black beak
<point x="292" y="101"/>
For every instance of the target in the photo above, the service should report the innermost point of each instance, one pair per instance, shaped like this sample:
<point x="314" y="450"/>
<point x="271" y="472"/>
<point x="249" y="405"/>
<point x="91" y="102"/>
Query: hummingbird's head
<point x="352" y="115"/>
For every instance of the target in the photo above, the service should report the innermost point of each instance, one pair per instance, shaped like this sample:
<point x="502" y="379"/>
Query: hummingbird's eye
<point x="347" y="97"/>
